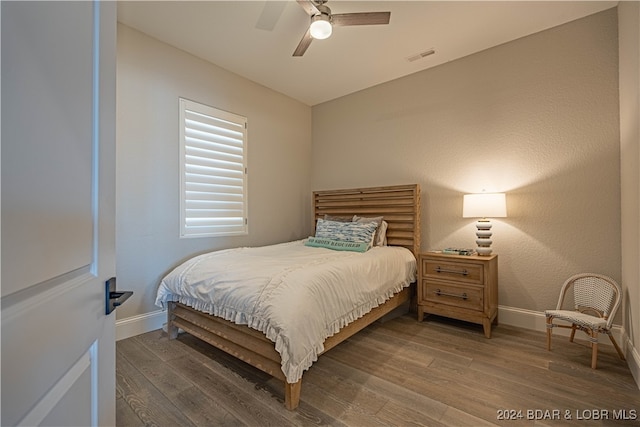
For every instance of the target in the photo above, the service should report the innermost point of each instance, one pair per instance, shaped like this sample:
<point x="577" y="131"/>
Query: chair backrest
<point x="594" y="294"/>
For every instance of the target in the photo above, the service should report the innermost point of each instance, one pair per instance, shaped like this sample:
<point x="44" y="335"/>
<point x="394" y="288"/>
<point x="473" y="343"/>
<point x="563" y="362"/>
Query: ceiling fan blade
<point x="309" y="7"/>
<point x="304" y="44"/>
<point x="363" y="18"/>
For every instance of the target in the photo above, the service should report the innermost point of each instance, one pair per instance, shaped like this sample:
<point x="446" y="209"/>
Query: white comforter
<point x="296" y="295"/>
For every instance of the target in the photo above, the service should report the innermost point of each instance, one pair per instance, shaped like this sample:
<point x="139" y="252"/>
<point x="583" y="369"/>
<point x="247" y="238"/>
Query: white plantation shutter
<point x="213" y="146"/>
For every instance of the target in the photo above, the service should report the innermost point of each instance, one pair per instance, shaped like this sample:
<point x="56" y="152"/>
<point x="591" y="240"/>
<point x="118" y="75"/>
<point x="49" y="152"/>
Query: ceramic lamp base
<point x="484" y="237"/>
<point x="483" y="251"/>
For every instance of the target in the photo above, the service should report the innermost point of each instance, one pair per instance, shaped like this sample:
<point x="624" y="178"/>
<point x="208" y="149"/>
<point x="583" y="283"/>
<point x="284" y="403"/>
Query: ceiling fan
<point x="322" y="21"/>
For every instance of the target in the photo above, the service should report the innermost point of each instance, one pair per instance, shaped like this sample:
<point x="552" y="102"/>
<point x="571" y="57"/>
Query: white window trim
<point x="209" y="206"/>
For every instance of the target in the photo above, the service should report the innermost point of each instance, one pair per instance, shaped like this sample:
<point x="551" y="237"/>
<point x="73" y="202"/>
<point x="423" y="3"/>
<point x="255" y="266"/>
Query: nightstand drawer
<point x="458" y="295"/>
<point x="457" y="271"/>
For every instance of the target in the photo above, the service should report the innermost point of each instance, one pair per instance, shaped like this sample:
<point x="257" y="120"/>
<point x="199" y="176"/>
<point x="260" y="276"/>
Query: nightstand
<point x="460" y="287"/>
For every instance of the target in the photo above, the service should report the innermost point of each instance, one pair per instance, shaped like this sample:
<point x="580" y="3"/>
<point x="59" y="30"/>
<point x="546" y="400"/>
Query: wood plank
<point x="151" y="367"/>
<point x="269" y="390"/>
<point x="352" y="391"/>
<point x="396" y="414"/>
<point x="235" y="394"/>
<point x="347" y="412"/>
<point x="158" y="344"/>
<point x="400" y="372"/>
<point x="199" y="409"/>
<point x="356" y="381"/>
<point x="149" y="404"/>
<point x="202" y="410"/>
<point x="126" y="416"/>
<point x="458" y="418"/>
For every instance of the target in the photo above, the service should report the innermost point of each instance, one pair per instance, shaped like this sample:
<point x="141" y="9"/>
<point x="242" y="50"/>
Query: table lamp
<point x="484" y="205"/>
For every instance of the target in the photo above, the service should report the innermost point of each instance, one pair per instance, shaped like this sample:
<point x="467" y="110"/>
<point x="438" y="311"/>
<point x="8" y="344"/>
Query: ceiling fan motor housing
<point x="321" y="26"/>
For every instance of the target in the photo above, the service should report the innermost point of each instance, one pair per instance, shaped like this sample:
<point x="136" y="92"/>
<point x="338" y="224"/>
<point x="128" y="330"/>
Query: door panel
<point x="46" y="110"/>
<point x="58" y="212"/>
<point x="65" y="412"/>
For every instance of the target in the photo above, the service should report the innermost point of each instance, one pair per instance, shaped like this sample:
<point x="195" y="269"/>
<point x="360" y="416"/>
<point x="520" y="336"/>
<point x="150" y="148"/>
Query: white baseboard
<point x="633" y="360"/>
<point x="140" y="324"/>
<point x="512" y="316"/>
<point x="521" y="318"/>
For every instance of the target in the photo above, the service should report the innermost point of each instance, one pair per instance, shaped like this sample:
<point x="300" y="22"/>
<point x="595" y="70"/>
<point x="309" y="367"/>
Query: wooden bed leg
<point x="292" y="395"/>
<point x="172" y="330"/>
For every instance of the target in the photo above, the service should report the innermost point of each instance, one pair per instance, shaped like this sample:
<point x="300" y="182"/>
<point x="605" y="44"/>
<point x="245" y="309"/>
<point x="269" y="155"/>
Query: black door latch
<point x="114" y="298"/>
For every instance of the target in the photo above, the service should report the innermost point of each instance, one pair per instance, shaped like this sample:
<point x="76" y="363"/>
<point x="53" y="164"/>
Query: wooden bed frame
<point x="400" y="206"/>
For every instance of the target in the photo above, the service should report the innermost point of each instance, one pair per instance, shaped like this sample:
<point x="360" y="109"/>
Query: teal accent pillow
<point x="336" y="244"/>
<point x="359" y="232"/>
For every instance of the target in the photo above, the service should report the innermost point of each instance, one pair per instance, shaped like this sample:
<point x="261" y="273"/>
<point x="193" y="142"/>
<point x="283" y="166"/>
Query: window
<point x="213" y="171"/>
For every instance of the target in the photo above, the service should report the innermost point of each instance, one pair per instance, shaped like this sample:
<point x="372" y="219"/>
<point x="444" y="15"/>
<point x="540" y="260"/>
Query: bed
<point x="261" y="336"/>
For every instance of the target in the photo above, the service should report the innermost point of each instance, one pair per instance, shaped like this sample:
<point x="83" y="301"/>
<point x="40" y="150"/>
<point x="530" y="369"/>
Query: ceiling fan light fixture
<point x="321" y="27"/>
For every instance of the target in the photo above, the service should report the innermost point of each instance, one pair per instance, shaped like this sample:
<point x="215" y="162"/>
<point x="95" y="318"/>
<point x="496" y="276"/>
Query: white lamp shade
<point x="484" y="205"/>
<point x="320" y="27"/>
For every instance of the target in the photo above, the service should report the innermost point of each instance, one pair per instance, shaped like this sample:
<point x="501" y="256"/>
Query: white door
<point x="58" y="233"/>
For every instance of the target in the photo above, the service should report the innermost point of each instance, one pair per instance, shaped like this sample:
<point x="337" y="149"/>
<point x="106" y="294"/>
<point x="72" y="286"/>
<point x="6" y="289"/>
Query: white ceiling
<point x="235" y="35"/>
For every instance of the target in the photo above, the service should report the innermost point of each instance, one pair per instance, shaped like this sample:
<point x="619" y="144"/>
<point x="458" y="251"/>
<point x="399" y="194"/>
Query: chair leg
<point x="594" y="349"/>
<point x="615" y="344"/>
<point x="573" y="332"/>
<point x="549" y="327"/>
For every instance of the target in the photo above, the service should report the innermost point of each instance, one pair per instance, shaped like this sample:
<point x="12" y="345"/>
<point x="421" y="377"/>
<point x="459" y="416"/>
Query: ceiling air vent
<point x="421" y="55"/>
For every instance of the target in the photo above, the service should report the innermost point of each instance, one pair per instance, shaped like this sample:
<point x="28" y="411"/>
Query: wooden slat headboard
<point x="399" y="205"/>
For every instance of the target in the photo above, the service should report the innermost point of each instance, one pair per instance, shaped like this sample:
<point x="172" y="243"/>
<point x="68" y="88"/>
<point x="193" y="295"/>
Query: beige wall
<point x="536" y="118"/>
<point x="629" y="36"/>
<point x="151" y="77"/>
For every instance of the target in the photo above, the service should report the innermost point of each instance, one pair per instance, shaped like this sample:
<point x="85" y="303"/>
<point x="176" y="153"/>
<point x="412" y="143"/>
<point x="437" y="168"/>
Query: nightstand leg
<point x="420" y="314"/>
<point x="486" y="325"/>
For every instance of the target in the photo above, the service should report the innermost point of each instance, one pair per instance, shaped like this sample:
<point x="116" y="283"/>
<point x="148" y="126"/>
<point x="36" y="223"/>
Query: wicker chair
<point x="596" y="299"/>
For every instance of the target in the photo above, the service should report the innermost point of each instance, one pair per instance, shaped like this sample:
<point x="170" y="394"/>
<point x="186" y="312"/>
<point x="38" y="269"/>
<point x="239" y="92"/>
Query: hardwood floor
<point x="399" y="373"/>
